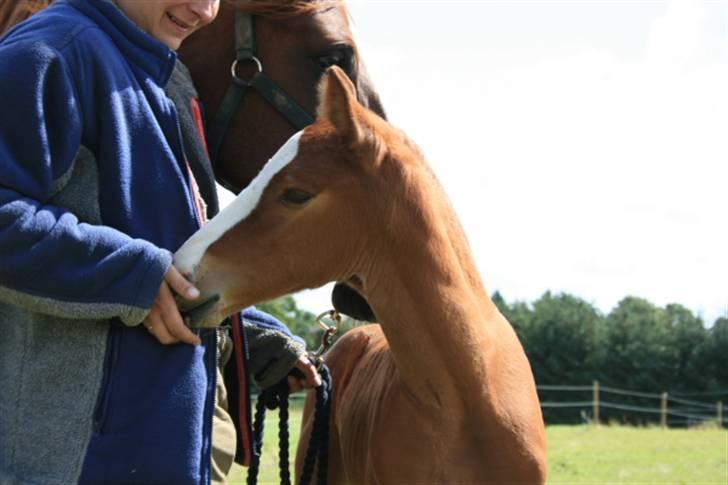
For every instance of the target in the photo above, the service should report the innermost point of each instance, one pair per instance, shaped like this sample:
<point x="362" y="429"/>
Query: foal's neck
<point x="437" y="317"/>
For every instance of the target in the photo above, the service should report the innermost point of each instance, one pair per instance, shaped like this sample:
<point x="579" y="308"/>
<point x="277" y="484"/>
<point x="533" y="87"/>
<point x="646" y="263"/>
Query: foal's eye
<point x="295" y="198"/>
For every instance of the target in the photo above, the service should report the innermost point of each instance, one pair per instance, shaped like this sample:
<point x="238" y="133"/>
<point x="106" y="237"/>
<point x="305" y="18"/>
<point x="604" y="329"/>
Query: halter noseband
<point x="266" y="87"/>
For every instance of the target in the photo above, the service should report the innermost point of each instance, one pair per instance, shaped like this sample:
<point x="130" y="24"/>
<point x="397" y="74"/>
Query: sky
<point x="583" y="143"/>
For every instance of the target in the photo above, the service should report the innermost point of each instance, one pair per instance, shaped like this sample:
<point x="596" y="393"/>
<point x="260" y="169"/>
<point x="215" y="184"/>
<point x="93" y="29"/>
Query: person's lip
<point x="183" y="26"/>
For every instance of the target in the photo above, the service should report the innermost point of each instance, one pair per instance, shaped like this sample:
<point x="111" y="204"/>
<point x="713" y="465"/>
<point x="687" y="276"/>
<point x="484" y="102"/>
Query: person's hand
<point x="165" y="321"/>
<point x="311" y="377"/>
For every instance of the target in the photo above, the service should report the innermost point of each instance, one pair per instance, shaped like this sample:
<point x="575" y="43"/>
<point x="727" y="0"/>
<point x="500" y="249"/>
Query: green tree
<point x="563" y="338"/>
<point x="688" y="336"/>
<point x="639" y="353"/>
<point x="715" y="357"/>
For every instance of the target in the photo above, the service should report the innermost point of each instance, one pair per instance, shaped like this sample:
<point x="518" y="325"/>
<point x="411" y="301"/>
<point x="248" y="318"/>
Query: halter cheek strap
<point x="264" y="85"/>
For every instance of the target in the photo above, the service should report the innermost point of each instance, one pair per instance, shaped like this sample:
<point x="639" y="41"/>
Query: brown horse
<point x="442" y="391"/>
<point x="295" y="41"/>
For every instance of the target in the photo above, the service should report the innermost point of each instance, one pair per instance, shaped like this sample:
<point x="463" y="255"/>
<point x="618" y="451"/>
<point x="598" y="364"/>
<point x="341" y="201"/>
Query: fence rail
<point x="673" y="411"/>
<point x="689" y="411"/>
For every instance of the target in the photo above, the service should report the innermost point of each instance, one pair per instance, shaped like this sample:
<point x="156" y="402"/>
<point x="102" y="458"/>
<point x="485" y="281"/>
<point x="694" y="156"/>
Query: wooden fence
<point x="668" y="409"/>
<point x="671" y="409"/>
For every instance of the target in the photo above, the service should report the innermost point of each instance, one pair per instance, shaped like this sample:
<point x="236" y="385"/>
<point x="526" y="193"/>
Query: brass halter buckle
<point x="328" y="335"/>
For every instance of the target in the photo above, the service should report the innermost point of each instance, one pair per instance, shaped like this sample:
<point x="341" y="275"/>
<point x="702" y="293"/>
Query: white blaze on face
<point x="191" y="252"/>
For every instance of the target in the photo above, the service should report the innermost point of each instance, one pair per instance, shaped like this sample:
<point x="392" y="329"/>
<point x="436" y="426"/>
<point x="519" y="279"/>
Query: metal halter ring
<point x="234" y="68"/>
<point x="333" y="315"/>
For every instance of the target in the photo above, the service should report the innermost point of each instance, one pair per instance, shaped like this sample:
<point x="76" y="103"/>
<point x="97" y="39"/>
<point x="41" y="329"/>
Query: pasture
<point x="584" y="454"/>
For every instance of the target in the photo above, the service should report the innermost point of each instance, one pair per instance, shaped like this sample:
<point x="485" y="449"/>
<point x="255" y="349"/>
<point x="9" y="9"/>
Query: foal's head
<point x="321" y="210"/>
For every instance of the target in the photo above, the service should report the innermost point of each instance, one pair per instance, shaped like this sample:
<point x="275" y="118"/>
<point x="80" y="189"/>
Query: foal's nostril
<point x="195" y="313"/>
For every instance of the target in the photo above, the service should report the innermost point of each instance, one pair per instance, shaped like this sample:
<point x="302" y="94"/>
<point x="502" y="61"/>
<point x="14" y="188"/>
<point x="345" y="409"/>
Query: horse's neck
<point x="437" y="317"/>
<point x="12" y="13"/>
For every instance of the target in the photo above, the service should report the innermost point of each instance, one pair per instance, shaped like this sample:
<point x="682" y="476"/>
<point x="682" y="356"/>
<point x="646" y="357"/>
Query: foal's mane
<point x="282" y="9"/>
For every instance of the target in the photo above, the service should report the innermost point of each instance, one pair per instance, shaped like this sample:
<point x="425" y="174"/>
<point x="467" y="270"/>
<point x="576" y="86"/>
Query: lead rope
<point x="318" y="444"/>
<point x="277" y="397"/>
<point x="271" y="398"/>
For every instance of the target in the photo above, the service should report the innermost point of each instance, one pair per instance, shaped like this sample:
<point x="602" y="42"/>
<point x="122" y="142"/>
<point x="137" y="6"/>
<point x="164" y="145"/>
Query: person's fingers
<point x="155" y="325"/>
<point x="182" y="332"/>
<point x="312" y="377"/>
<point x="294" y="384"/>
<point x="180" y="284"/>
<point x="172" y="319"/>
<point x="152" y="320"/>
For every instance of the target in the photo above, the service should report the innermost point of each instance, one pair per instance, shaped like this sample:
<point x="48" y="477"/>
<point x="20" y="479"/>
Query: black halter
<point x="245" y="52"/>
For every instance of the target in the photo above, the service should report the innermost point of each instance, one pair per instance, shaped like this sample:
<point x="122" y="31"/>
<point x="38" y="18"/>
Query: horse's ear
<point x="339" y="104"/>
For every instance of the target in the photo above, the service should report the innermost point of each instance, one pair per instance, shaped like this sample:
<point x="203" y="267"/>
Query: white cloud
<point x="678" y="36"/>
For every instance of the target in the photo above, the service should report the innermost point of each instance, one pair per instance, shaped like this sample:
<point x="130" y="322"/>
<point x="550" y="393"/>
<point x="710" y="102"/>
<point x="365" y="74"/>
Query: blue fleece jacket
<point x="81" y="74"/>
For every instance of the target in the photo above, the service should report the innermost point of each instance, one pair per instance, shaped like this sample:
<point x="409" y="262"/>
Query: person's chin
<point x="172" y="42"/>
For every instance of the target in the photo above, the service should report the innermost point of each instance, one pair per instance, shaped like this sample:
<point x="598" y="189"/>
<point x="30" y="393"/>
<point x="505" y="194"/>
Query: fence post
<point x="719" y="408"/>
<point x="595" y="401"/>
<point x="663" y="410"/>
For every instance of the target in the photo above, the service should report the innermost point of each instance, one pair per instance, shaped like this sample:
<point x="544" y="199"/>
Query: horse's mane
<point x="284" y="8"/>
<point x="15" y="11"/>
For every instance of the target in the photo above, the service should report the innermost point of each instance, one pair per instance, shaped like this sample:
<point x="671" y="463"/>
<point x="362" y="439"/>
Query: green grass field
<point x="585" y="454"/>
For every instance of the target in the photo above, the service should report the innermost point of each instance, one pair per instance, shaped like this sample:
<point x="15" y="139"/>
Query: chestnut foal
<point x="439" y="392"/>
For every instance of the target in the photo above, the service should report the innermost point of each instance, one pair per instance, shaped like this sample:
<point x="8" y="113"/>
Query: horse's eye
<point x="295" y="198"/>
<point x="341" y="57"/>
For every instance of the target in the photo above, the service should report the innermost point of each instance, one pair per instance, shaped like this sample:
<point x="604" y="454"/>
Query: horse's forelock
<point x="284" y="8"/>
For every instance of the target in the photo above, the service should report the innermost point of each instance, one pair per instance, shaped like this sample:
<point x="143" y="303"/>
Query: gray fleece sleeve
<point x="77" y="193"/>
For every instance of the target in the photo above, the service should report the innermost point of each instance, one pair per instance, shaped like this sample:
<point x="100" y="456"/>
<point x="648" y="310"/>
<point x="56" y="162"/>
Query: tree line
<point x="637" y="345"/>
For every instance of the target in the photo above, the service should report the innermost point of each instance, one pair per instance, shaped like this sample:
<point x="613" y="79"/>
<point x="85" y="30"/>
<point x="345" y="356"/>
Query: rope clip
<point x="328" y="335"/>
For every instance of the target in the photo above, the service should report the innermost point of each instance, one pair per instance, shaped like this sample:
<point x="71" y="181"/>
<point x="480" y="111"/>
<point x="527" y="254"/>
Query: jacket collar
<point x="149" y="54"/>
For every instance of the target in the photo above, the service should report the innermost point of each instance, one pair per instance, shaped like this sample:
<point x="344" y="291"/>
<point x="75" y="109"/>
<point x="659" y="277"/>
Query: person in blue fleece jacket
<point x="102" y="177"/>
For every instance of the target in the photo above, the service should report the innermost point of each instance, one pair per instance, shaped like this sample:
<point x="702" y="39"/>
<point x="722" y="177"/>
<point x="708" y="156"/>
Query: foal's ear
<point x="339" y="104"/>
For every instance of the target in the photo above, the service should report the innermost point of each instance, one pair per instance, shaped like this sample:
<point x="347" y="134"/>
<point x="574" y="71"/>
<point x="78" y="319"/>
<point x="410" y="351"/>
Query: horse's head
<point x="319" y="211"/>
<point x="295" y="42"/>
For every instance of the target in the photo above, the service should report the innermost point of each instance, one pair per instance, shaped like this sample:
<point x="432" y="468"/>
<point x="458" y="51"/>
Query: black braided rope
<point x="258" y="424"/>
<point x="318" y="445"/>
<point x="323" y="461"/>
<point x="283" y="460"/>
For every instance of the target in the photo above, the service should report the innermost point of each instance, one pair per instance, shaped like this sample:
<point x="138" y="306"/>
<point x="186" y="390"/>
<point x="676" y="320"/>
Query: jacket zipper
<point x="110" y="359"/>
<point x="206" y="472"/>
